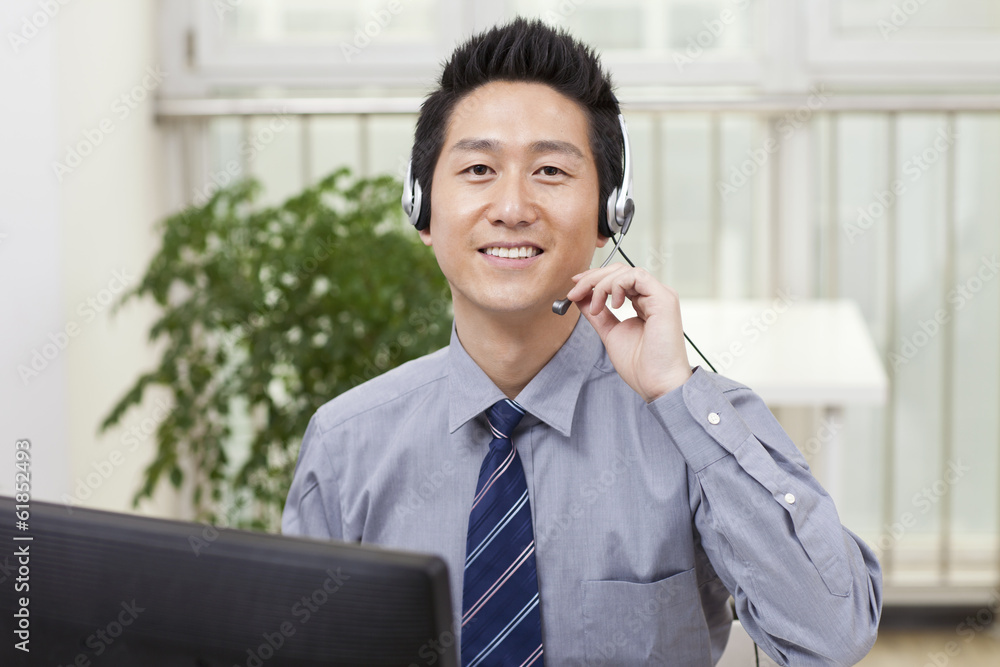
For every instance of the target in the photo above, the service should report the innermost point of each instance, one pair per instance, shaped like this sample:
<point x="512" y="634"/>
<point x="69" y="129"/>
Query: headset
<point x="620" y="209"/>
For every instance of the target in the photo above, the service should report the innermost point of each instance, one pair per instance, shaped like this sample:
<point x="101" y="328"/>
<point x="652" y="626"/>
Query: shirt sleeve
<point x="807" y="590"/>
<point x="312" y="508"/>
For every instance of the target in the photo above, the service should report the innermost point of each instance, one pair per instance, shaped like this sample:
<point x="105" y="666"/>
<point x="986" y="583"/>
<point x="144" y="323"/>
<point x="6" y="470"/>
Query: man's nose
<point x="513" y="201"/>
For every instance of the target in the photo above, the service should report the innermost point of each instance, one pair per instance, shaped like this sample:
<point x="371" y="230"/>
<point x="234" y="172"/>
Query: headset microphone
<point x="562" y="305"/>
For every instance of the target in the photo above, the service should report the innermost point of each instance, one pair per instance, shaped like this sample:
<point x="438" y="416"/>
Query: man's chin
<point x="513" y="304"/>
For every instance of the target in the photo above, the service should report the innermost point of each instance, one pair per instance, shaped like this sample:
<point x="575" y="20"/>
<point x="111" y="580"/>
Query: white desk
<point x="792" y="353"/>
<point x="812" y="353"/>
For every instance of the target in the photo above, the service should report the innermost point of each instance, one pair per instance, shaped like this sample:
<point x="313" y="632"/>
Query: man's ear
<point x="601" y="240"/>
<point x="425" y="236"/>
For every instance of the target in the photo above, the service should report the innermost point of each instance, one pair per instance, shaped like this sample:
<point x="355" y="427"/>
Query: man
<point x="640" y="493"/>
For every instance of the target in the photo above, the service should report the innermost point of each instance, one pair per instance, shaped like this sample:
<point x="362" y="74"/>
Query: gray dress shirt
<point x="646" y="516"/>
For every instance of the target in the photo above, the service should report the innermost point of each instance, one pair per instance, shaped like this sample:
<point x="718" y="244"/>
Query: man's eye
<point x="479" y="169"/>
<point x="551" y="171"/>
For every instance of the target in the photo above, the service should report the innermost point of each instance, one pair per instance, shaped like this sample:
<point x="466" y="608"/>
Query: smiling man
<point x="596" y="499"/>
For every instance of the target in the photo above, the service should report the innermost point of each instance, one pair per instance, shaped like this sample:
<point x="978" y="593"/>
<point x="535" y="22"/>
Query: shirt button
<point x="789" y="498"/>
<point x="713" y="418"/>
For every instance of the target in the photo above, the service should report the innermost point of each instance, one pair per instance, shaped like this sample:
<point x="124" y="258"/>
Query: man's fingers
<point x="620" y="283"/>
<point x="619" y="293"/>
<point x="588" y="279"/>
<point x="603" y="321"/>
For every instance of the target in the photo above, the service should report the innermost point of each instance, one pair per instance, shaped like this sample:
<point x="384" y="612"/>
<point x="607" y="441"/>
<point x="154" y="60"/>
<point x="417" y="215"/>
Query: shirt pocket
<point x="657" y="623"/>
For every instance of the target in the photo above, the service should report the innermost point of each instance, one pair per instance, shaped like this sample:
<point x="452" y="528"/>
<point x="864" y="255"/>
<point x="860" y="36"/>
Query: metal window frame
<point x="201" y="63"/>
<point x="802" y="47"/>
<point x="954" y="58"/>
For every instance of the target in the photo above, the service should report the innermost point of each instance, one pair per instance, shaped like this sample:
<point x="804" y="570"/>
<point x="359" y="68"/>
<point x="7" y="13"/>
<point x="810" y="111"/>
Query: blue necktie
<point x="501" y="623"/>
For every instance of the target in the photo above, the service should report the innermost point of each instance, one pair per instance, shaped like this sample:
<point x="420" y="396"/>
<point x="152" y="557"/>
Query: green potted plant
<point x="267" y="313"/>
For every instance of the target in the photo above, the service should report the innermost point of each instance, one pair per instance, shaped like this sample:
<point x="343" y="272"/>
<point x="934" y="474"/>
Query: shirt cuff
<point x="700" y="420"/>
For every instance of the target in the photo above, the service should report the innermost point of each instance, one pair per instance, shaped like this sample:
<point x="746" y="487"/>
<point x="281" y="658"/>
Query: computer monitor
<point x="106" y="589"/>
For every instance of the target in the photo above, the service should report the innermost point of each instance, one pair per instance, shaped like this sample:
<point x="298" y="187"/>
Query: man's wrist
<point x="671" y="381"/>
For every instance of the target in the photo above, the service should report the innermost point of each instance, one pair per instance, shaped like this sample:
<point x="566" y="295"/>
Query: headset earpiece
<point x="620" y="207"/>
<point x="412" y="197"/>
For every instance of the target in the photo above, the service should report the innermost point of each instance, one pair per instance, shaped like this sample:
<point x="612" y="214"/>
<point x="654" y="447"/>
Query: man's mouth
<point x="519" y="252"/>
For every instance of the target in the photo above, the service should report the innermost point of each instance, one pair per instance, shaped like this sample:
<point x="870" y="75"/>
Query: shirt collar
<point x="551" y="395"/>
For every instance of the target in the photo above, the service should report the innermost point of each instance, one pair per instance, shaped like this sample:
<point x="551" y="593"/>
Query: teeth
<point x="523" y="251"/>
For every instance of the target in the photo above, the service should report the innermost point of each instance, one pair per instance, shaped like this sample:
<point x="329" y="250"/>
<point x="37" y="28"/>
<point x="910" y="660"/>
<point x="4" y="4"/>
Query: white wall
<point x="30" y="285"/>
<point x="71" y="235"/>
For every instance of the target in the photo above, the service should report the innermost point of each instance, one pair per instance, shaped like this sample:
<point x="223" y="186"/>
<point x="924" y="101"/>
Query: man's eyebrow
<point x="477" y="146"/>
<point x="542" y="146"/>
<point x="556" y="146"/>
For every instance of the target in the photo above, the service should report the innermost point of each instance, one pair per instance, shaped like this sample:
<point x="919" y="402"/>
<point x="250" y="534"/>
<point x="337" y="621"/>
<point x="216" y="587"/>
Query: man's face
<point x="515" y="199"/>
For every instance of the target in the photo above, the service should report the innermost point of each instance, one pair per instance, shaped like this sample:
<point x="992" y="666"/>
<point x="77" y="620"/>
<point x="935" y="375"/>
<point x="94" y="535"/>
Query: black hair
<point x="528" y="51"/>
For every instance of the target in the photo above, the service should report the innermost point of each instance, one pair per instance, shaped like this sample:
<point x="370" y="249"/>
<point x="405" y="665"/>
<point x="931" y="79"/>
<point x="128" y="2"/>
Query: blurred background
<point x="805" y="151"/>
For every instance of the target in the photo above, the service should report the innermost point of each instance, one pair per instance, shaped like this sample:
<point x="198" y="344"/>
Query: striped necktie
<point x="501" y="623"/>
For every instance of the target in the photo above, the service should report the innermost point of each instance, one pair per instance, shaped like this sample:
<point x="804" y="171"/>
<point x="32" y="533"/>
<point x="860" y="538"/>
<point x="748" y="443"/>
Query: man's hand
<point x="647" y="351"/>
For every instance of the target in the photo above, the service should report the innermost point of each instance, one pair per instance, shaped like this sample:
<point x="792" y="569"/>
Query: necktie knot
<point x="503" y="417"/>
